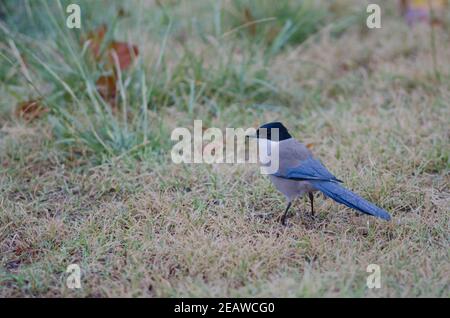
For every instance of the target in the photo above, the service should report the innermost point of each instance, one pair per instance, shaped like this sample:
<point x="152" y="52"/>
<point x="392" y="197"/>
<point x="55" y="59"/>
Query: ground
<point x="373" y="105"/>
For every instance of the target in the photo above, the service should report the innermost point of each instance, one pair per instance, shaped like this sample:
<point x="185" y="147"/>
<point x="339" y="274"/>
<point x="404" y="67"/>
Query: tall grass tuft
<point x="62" y="74"/>
<point x="59" y="71"/>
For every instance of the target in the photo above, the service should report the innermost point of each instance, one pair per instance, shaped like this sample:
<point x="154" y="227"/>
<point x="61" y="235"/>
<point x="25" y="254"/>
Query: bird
<point x="299" y="173"/>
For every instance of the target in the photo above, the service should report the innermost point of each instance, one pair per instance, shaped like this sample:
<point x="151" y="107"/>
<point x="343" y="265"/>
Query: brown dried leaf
<point x="96" y="39"/>
<point x="30" y="110"/>
<point x="107" y="88"/>
<point x="125" y="53"/>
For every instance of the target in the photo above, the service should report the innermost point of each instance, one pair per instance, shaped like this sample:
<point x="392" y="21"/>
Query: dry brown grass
<point x="379" y="121"/>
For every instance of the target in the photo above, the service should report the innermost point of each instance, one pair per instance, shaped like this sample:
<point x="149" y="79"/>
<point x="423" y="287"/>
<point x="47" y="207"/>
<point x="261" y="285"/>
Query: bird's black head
<point x="274" y="131"/>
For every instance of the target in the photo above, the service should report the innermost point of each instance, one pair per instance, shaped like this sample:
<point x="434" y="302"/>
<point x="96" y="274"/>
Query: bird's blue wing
<point x="320" y="178"/>
<point x="309" y="169"/>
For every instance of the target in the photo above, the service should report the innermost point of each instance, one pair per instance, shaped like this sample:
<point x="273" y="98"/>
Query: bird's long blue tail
<point x="313" y="171"/>
<point x="340" y="194"/>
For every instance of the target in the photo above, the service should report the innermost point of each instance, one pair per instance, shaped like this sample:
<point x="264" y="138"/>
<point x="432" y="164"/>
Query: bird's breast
<point x="268" y="151"/>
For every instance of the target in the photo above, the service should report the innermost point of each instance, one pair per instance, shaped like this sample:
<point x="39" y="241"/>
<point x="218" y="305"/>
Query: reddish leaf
<point x="106" y="86"/>
<point x="125" y="53"/>
<point x="30" y="110"/>
<point x="96" y="39"/>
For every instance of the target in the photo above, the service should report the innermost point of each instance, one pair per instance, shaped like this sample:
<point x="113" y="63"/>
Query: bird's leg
<point x="311" y="199"/>
<point x="283" y="219"/>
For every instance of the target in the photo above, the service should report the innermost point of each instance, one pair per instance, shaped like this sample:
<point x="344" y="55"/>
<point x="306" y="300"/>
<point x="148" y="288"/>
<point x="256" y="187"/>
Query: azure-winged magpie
<point x="299" y="173"/>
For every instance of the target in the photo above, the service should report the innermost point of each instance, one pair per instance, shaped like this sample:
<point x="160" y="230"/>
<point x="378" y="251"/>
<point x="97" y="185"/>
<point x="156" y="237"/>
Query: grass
<point x="87" y="185"/>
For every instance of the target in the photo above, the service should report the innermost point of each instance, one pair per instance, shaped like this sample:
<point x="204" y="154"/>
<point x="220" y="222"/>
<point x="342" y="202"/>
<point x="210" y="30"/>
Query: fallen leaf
<point x="30" y="110"/>
<point x="95" y="39"/>
<point x="125" y="53"/>
<point x="310" y="146"/>
<point x="107" y="88"/>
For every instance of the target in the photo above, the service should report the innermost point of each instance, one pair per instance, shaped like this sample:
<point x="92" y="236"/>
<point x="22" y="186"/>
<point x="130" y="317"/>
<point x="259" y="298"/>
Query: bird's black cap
<point x="274" y="131"/>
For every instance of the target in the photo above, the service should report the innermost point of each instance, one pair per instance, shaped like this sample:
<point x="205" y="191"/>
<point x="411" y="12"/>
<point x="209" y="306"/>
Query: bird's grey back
<point x="291" y="153"/>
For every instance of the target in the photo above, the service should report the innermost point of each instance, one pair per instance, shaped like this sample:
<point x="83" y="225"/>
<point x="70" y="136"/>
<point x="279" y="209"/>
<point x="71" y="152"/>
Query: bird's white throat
<point x="268" y="151"/>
